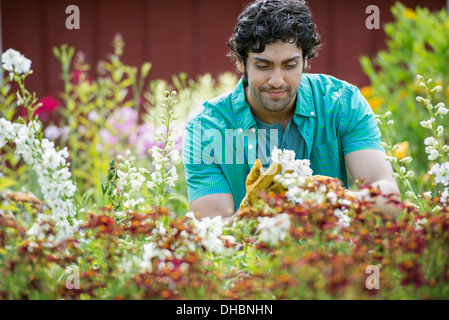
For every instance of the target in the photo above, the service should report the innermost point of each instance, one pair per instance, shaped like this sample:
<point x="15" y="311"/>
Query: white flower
<point x="273" y="229"/>
<point x="52" y="132"/>
<point x="13" y="61"/>
<point x="174" y="156"/>
<point x="442" y="111"/>
<point x="428" y="123"/>
<point x="343" y="219"/>
<point x="210" y="231"/>
<point x="53" y="176"/>
<point x="430" y="141"/>
<point x="444" y="195"/>
<point x="437" y="89"/>
<point x="433" y="154"/>
<point x="93" y="116"/>
<point x="441" y="173"/>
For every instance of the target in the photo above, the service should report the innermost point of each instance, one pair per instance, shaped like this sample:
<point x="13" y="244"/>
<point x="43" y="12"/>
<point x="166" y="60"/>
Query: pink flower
<point x="123" y="120"/>
<point x="108" y="137"/>
<point x="49" y="104"/>
<point x="143" y="139"/>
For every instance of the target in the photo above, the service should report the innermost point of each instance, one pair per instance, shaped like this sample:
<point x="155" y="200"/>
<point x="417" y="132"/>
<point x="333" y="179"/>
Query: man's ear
<point x="305" y="65"/>
<point x="240" y="66"/>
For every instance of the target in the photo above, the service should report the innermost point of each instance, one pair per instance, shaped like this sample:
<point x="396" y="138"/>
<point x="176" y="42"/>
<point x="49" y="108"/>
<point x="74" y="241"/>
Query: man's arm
<point x="371" y="167"/>
<point x="218" y="204"/>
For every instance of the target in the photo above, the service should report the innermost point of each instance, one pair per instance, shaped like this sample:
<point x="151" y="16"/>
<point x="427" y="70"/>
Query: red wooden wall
<point x="179" y="35"/>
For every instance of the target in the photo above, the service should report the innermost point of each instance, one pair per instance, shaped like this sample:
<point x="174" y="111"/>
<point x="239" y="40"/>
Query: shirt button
<point x="253" y="130"/>
<point x="312" y="113"/>
<point x="250" y="147"/>
<point x="240" y="130"/>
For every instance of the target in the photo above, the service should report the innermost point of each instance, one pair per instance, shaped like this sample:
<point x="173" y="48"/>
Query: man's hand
<point x="371" y="167"/>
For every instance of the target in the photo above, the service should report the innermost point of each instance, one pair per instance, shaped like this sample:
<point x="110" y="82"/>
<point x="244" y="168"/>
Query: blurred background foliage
<point x="417" y="44"/>
<point x="103" y="113"/>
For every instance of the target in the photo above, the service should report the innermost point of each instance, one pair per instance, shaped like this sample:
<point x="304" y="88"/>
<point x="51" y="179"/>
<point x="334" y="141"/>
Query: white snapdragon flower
<point x="444" y="195"/>
<point x="430" y="141"/>
<point x="210" y="231"/>
<point x="433" y="154"/>
<point x="441" y="173"/>
<point x="441" y="111"/>
<point x="287" y="159"/>
<point x="53" y="177"/>
<point x="428" y="123"/>
<point x="13" y="61"/>
<point x="343" y="219"/>
<point x="273" y="229"/>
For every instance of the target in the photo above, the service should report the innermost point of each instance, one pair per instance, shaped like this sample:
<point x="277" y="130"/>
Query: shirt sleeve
<point x="203" y="175"/>
<point x="358" y="129"/>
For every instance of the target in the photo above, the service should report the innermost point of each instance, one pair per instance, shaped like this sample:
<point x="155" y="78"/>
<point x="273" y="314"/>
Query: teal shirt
<point x="273" y="135"/>
<point x="219" y="146"/>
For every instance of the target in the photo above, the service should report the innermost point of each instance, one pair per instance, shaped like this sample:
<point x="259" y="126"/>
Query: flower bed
<point x="97" y="229"/>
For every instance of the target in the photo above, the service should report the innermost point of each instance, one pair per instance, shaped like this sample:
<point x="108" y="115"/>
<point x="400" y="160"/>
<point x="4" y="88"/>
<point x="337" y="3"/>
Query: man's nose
<point x="276" y="78"/>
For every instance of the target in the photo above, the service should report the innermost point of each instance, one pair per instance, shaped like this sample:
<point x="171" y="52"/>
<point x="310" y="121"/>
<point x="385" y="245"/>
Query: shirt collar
<point x="244" y="119"/>
<point x="242" y="111"/>
<point x="305" y="105"/>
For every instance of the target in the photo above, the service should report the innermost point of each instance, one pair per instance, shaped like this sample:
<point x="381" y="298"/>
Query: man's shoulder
<point x="214" y="110"/>
<point x="327" y="82"/>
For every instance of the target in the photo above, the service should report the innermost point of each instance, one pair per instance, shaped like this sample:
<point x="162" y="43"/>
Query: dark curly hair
<point x="265" y="22"/>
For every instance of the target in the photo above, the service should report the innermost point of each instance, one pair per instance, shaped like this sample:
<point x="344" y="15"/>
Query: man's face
<point x="274" y="76"/>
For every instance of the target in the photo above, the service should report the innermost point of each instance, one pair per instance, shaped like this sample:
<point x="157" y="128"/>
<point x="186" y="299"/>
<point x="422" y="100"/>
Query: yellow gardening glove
<point x="258" y="180"/>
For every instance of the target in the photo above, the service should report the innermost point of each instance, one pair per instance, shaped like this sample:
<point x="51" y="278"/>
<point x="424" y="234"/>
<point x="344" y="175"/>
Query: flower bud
<point x="437" y="89"/>
<point x="409" y="194"/>
<point x="410" y="174"/>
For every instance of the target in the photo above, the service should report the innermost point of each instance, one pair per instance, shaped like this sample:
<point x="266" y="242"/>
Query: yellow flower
<point x="410" y="14"/>
<point x="402" y="150"/>
<point x="375" y="103"/>
<point x="447" y="92"/>
<point x="367" y="92"/>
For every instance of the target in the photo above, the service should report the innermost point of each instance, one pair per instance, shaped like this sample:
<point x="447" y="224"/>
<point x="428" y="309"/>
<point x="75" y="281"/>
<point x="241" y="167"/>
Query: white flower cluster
<point x="287" y="159"/>
<point x="273" y="229"/>
<point x="433" y="148"/>
<point x="165" y="158"/>
<point x="165" y="171"/>
<point x="13" y="61"/>
<point x="53" y="175"/>
<point x="441" y="173"/>
<point x="294" y="174"/>
<point x="129" y="182"/>
<point x="210" y="232"/>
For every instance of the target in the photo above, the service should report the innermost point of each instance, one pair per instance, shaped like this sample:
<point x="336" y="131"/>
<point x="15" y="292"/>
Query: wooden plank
<point x="56" y="34"/>
<point x="215" y="23"/>
<point x="22" y="30"/>
<point x="120" y="17"/>
<point x="170" y="37"/>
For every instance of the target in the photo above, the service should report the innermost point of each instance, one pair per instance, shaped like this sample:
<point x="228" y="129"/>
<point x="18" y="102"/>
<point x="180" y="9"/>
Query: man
<point x="319" y="117"/>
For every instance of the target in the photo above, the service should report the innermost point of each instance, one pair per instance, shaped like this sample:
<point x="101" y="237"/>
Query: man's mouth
<point x="276" y="94"/>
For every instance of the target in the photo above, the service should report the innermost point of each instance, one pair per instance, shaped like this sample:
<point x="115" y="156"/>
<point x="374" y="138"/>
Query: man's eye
<point x="261" y="66"/>
<point x="291" y="66"/>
